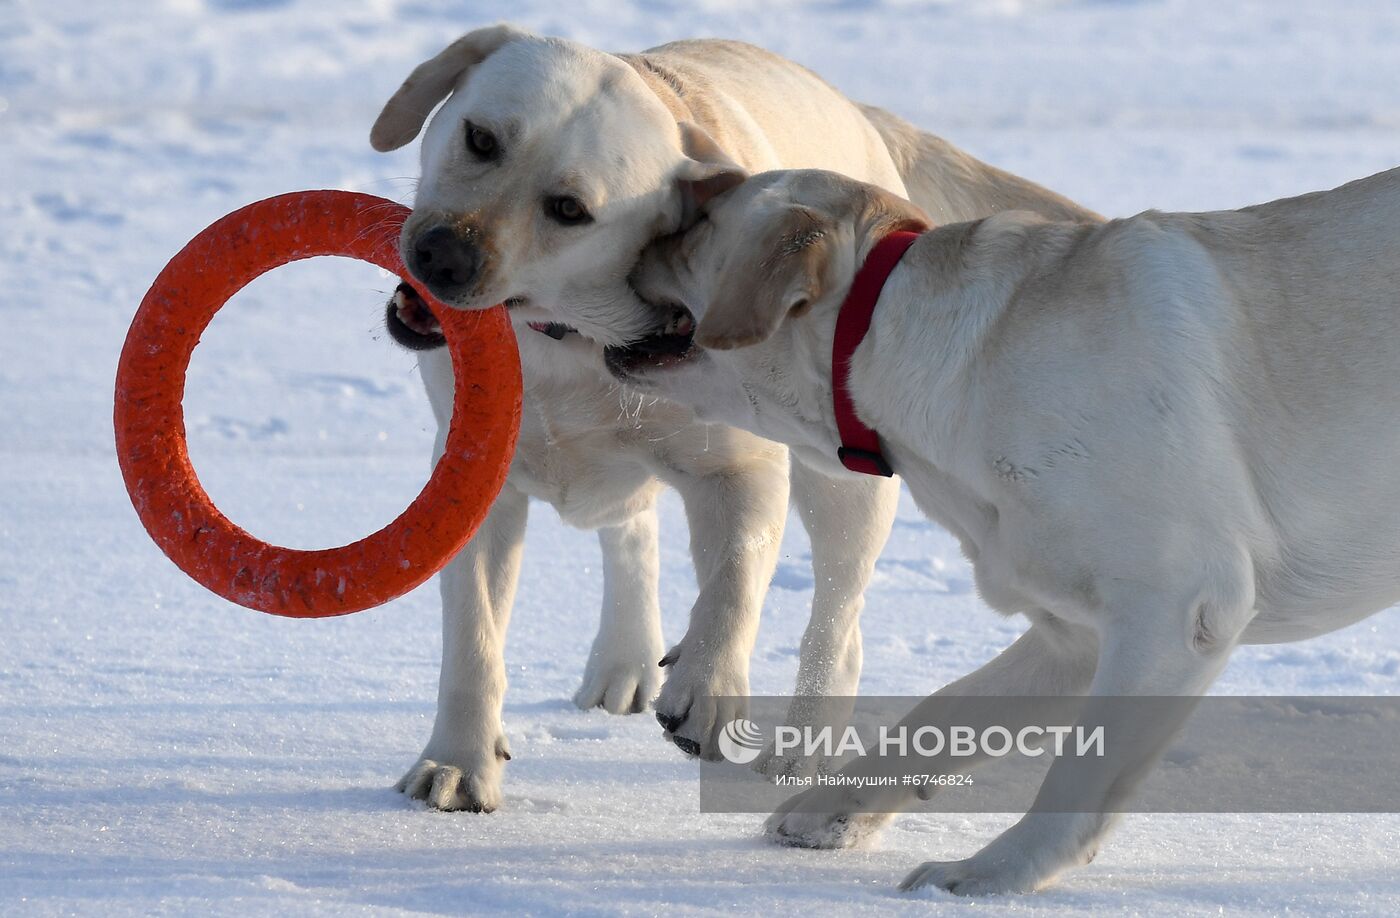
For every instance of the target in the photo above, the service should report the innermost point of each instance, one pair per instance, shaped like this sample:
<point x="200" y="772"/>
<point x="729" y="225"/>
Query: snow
<point x="164" y="752"/>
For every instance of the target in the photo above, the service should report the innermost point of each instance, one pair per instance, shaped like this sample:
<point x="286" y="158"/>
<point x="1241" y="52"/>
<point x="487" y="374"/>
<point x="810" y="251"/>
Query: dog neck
<point x="860" y="445"/>
<point x="911" y="376"/>
<point x="789" y="380"/>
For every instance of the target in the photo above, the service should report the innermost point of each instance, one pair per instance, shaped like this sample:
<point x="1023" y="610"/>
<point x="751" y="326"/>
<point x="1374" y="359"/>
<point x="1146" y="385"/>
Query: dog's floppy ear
<point x="706" y="172"/>
<point x="782" y="275"/>
<point x="431" y="81"/>
<point x="889" y="212"/>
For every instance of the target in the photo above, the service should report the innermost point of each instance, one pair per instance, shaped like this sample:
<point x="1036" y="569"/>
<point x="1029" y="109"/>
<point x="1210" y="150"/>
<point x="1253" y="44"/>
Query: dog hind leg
<point x="1148" y="648"/>
<point x="622" y="675"/>
<point x="1051" y="658"/>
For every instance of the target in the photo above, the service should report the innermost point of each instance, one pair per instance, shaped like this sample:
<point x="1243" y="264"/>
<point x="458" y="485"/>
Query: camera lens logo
<point x="740" y="741"/>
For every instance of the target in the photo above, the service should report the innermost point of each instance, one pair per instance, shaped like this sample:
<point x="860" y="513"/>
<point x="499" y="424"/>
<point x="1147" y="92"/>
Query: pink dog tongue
<point x="555" y="330"/>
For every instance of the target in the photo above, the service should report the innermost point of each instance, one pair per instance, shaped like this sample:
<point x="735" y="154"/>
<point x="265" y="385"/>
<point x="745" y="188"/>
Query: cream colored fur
<point x="641" y="141"/>
<point x="1156" y="438"/>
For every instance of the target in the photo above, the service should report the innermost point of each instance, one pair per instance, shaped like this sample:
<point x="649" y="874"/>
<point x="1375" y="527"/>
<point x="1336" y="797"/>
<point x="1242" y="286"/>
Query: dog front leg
<point x="461" y="766"/>
<point x="622" y="675"/>
<point x="848" y="520"/>
<point x="736" y="520"/>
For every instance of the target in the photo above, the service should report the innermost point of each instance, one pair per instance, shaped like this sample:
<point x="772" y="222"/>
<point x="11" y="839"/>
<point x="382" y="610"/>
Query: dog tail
<point x="953" y="187"/>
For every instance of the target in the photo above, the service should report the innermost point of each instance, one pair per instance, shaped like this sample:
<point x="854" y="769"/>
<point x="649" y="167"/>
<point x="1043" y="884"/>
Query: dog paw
<point x="998" y="869"/>
<point x="619" y="686"/>
<point x="701" y="695"/>
<point x="971" y="877"/>
<point x="822" y="818"/>
<point x="787" y="766"/>
<point x="459" y="787"/>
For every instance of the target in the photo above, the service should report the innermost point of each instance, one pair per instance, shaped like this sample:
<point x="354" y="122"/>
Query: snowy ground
<point x="162" y="751"/>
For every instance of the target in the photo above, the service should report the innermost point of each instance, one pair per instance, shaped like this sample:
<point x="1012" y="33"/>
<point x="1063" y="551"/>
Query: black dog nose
<point x="445" y="262"/>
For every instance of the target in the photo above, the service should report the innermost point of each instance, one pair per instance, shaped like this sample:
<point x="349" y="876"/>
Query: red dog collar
<point x="860" y="446"/>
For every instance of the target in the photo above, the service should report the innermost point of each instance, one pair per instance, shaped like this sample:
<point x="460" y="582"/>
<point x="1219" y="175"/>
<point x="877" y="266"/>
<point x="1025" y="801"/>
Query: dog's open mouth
<point x="668" y="346"/>
<point x="556" y="330"/>
<point x="413" y="325"/>
<point x="410" y="322"/>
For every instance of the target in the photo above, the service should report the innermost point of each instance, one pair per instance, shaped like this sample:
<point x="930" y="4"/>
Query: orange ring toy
<point x="150" y="423"/>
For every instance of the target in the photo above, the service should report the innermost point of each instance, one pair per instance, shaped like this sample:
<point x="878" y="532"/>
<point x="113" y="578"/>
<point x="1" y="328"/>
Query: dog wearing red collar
<point x="1156" y="438"/>
<point x="737" y="296"/>
<point x="547" y="167"/>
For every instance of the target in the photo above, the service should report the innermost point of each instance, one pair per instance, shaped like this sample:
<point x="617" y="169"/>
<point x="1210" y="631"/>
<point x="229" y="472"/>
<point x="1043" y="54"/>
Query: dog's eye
<point x="481" y="142"/>
<point x="567" y="210"/>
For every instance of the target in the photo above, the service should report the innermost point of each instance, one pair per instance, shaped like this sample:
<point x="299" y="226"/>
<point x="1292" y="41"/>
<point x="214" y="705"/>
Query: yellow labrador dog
<point x="545" y="172"/>
<point x="1157" y="438"/>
